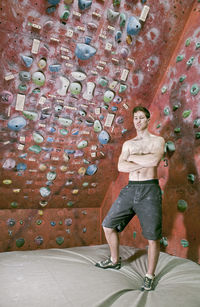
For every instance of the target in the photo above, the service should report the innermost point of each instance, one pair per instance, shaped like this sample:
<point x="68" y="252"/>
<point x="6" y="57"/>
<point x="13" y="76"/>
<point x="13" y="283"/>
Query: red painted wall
<point x="25" y="213"/>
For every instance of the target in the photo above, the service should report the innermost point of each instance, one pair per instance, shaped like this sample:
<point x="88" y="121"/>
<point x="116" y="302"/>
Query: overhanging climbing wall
<point x="71" y="73"/>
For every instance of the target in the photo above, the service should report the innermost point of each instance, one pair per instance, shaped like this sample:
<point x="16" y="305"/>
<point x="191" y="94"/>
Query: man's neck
<point x="143" y="134"/>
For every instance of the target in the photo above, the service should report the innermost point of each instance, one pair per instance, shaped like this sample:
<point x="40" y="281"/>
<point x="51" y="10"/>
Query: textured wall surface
<point x="61" y="133"/>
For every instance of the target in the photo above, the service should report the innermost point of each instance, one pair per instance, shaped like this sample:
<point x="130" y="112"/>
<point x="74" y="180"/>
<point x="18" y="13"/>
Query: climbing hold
<point x="70" y="203"/>
<point x="194" y="89"/>
<point x="68" y="1"/>
<point x="103" y="81"/>
<point x="6" y="97"/>
<point x="197" y="135"/>
<point x="20" y="242"/>
<point x="88" y="94"/>
<point x="122" y="20"/>
<point x="53" y="2"/>
<point x="64" y="131"/>
<point x="82" y="144"/>
<point x="35" y="148"/>
<point x="68" y="221"/>
<point x="88" y="40"/>
<point x="14" y="204"/>
<point x="11" y="222"/>
<point x="186" y="113"/>
<point x="116" y="2"/>
<point x="22" y="87"/>
<point x="164" y="89"/>
<point x="39" y="240"/>
<point x="112" y="15"/>
<point x="69" y="151"/>
<point x="166" y="111"/>
<point x="182" y="78"/>
<point x="197" y="45"/>
<point x="182" y="205"/>
<point x="124" y="52"/>
<point x="42" y="63"/>
<point x="179" y="58"/>
<point x="188" y="41"/>
<point x="65" y="121"/>
<point x="114" y="109"/>
<point x="78" y="75"/>
<point x="28" y="61"/>
<point x="9" y="164"/>
<point x="108" y="96"/>
<point x="65" y="84"/>
<point x="133" y="26"/>
<point x="191" y="177"/>
<point x="65" y="15"/>
<point x="51" y="9"/>
<point x="177" y="130"/>
<point x="60" y="240"/>
<point x="42" y="167"/>
<point x="17" y="123"/>
<point x="31" y="115"/>
<point x="45" y="191"/>
<point x="129" y="39"/>
<point x="118" y="36"/>
<point x="103" y="137"/>
<point x="75" y="88"/>
<point x="24" y="76"/>
<point x="196" y="123"/>
<point x="82" y="171"/>
<point x="82" y="112"/>
<point x="38" y="78"/>
<point x="84" y="51"/>
<point x="122" y="88"/>
<point x="97" y="126"/>
<point x="55" y="67"/>
<point x="117" y="99"/>
<point x="164" y="241"/>
<point x="63" y="168"/>
<point x="58" y="108"/>
<point x="84" y="4"/>
<point x="7" y="181"/>
<point x="78" y="153"/>
<point x="119" y="120"/>
<point x="75" y="131"/>
<point x="51" y="176"/>
<point x="184" y="243"/>
<point x="190" y="61"/>
<point x="21" y="167"/>
<point x="91" y="170"/>
<point x="169" y="146"/>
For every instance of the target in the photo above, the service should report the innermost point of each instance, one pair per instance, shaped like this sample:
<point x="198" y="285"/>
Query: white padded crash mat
<point x="68" y="278"/>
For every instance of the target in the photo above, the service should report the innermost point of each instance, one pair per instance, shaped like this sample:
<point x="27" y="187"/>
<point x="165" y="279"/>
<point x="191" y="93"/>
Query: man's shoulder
<point x="158" y="138"/>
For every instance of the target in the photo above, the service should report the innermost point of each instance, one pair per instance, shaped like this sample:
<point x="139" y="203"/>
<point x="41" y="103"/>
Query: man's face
<point x="140" y="121"/>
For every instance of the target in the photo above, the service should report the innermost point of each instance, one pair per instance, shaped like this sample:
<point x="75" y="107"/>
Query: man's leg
<point x="153" y="255"/>
<point x="112" y="238"/>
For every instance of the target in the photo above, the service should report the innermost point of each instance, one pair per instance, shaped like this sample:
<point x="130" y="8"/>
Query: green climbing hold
<point x="116" y="2"/>
<point x="182" y="78"/>
<point x="191" y="177"/>
<point x="179" y="58"/>
<point x="177" y="130"/>
<point x="190" y="61"/>
<point x="65" y="15"/>
<point x="196" y="123"/>
<point x="194" y="89"/>
<point x="166" y="111"/>
<point x="63" y="131"/>
<point x="170" y="146"/>
<point x="164" y="89"/>
<point x="103" y="82"/>
<point x="134" y="234"/>
<point x="35" y="148"/>
<point x="59" y="240"/>
<point x="14" y="204"/>
<point x="184" y="243"/>
<point x="197" y="135"/>
<point x="22" y="87"/>
<point x="31" y="115"/>
<point x="186" y="113"/>
<point x="39" y="222"/>
<point x="158" y="126"/>
<point x="20" y="242"/>
<point x="188" y="41"/>
<point x="122" y="88"/>
<point x="197" y="45"/>
<point x="70" y="203"/>
<point x="164" y="241"/>
<point x="37" y="137"/>
<point x="176" y="106"/>
<point x="182" y="205"/>
<point x="85" y="184"/>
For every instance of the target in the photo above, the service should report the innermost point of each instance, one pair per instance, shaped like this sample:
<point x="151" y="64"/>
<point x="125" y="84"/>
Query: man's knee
<point x="108" y="230"/>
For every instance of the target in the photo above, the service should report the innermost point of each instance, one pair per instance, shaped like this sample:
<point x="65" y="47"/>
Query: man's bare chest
<point x="141" y="146"/>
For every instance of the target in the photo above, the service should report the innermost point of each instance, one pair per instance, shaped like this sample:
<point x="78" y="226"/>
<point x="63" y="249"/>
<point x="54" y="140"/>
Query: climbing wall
<point x="71" y="73"/>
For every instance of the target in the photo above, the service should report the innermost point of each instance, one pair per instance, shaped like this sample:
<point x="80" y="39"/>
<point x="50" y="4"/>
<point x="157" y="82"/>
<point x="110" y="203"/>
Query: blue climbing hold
<point x="84" y="51"/>
<point x="133" y="26"/>
<point x="84" y="4"/>
<point x="53" y="2"/>
<point x="91" y="170"/>
<point x="55" y="67"/>
<point x="103" y="137"/>
<point x="28" y="61"/>
<point x="21" y="167"/>
<point x="17" y="123"/>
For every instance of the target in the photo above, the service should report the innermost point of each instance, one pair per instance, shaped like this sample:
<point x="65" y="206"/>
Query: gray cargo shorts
<point x="141" y="198"/>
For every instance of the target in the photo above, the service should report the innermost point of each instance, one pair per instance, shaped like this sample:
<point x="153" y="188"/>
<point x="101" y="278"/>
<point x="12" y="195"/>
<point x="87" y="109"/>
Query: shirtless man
<point x="140" y="157"/>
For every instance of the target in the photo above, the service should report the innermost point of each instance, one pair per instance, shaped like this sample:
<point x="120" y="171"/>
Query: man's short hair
<point x="143" y="109"/>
